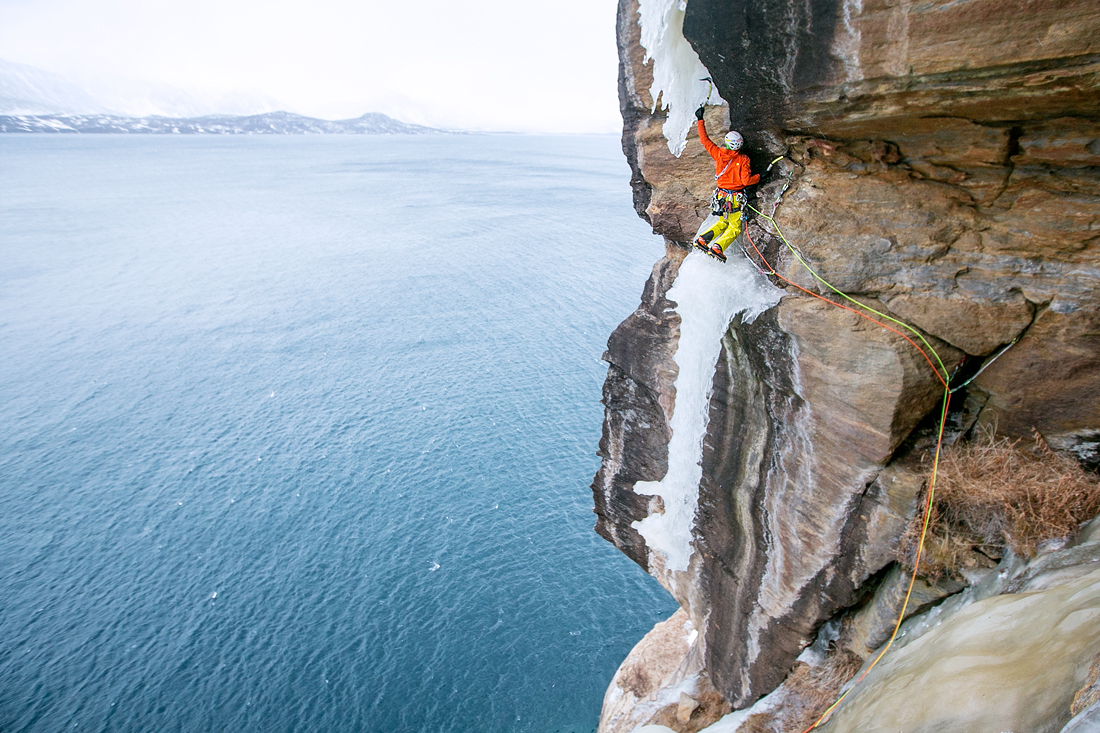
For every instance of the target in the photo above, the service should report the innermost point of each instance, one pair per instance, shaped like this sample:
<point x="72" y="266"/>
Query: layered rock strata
<point x="1017" y="651"/>
<point x="940" y="163"/>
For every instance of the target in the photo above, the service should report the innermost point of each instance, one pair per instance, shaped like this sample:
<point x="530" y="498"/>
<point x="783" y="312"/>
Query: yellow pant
<point x="724" y="231"/>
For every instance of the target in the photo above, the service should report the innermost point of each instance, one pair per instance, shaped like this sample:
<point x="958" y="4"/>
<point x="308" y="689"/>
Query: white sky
<point x="480" y="64"/>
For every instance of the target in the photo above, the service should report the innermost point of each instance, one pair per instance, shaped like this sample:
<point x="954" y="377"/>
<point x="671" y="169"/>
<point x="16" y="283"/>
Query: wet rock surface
<point x="942" y="165"/>
<point x="1010" y="662"/>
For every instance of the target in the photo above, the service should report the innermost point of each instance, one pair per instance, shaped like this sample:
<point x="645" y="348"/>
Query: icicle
<point x="677" y="70"/>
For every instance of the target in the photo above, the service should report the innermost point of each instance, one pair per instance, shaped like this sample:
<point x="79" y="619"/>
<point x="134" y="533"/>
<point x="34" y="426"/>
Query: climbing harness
<point x="725" y="201"/>
<point x="942" y="375"/>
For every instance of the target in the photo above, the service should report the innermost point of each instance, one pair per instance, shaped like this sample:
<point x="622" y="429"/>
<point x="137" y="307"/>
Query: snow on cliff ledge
<point x="677" y="71"/>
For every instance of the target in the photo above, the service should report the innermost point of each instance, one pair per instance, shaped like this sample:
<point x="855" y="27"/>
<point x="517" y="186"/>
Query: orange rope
<point x="931" y="483"/>
<point x="852" y="310"/>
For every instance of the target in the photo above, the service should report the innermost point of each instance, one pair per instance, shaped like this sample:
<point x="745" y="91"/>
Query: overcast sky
<point x="480" y="64"/>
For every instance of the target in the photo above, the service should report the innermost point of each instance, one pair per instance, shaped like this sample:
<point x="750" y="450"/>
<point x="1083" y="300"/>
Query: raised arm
<point x="703" y="137"/>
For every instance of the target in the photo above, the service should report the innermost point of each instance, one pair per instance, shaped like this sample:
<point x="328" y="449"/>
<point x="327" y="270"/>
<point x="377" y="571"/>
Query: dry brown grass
<point x="808" y="692"/>
<point x="992" y="493"/>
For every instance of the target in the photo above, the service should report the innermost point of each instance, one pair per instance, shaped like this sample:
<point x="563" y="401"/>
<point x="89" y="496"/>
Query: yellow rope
<point x="945" y="378"/>
<point x="916" y="564"/>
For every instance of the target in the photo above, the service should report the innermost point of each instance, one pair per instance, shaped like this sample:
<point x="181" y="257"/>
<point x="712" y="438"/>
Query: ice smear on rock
<point x="677" y="70"/>
<point x="708" y="295"/>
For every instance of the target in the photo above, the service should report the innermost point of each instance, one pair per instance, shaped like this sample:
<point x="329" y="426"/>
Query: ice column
<point x="708" y="295"/>
<point x="677" y="70"/>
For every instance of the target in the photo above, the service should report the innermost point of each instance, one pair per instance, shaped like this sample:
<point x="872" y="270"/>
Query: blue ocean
<point x="296" y="433"/>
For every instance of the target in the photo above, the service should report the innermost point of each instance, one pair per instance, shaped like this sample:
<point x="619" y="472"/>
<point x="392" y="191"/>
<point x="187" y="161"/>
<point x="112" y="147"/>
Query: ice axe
<point x="710" y="88"/>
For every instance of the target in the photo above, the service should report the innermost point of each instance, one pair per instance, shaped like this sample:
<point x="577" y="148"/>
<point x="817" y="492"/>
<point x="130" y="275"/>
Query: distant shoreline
<point x="270" y="123"/>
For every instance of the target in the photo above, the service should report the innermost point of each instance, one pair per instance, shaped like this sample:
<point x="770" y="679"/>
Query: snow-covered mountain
<point x="31" y="91"/>
<point x="271" y="123"/>
<point x="35" y="100"/>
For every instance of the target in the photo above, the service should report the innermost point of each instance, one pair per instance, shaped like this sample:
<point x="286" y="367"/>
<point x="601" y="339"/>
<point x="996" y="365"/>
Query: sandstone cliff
<point x="941" y="162"/>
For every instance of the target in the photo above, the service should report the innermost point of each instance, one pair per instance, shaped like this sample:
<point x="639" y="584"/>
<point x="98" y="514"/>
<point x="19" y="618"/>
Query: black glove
<point x="699" y="112"/>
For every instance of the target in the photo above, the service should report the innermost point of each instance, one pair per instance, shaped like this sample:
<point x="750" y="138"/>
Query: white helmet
<point x="733" y="140"/>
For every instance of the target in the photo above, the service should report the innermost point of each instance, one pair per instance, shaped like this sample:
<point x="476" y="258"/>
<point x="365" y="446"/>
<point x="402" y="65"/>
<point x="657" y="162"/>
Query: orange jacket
<point x="731" y="168"/>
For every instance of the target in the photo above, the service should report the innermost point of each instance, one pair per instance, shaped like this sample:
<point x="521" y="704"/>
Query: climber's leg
<point x="709" y="235"/>
<point x="732" y="229"/>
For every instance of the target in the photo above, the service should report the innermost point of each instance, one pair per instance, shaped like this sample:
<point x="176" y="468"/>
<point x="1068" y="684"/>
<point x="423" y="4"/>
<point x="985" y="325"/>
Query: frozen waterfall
<point x="677" y="70"/>
<point x="708" y="294"/>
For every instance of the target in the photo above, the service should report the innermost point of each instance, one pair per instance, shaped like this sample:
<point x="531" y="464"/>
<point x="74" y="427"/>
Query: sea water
<point x="296" y="432"/>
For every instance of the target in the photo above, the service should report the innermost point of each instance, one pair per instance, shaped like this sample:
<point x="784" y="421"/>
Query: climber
<point x="731" y="175"/>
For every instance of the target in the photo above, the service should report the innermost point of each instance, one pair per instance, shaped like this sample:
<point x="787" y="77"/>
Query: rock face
<point x="662" y="682"/>
<point x="1000" y="648"/>
<point x="942" y="165"/>
<point x="1015" y="652"/>
<point x="638" y="397"/>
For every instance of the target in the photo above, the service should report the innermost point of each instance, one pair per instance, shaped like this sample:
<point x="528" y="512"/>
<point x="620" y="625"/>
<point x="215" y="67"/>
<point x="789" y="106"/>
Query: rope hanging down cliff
<point x="942" y="376"/>
<point x="732" y="175"/>
<point x="724" y="226"/>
